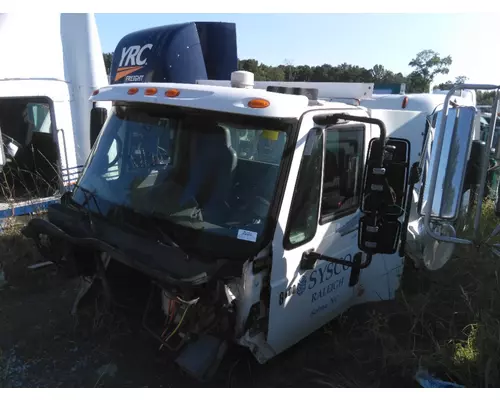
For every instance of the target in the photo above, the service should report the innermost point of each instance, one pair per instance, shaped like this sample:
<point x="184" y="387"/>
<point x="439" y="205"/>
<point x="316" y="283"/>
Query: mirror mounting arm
<point x="333" y="119"/>
<point x="415" y="175"/>
<point x="310" y="257"/>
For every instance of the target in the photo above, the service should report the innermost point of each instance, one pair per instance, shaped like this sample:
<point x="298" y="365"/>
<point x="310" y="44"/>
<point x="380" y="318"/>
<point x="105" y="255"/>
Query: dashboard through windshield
<point x="212" y="173"/>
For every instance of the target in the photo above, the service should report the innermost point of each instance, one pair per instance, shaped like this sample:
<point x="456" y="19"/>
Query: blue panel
<point x="218" y="43"/>
<point x="17" y="211"/>
<point x="180" y="53"/>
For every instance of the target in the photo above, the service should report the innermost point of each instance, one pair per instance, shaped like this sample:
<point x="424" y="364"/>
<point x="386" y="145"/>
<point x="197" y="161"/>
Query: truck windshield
<point x="212" y="173"/>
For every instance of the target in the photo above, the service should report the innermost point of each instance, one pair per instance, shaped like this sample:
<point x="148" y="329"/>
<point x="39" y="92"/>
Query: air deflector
<point x="181" y="53"/>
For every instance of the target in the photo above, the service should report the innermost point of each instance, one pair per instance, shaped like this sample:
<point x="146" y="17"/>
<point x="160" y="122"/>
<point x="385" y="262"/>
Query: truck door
<point x="320" y="213"/>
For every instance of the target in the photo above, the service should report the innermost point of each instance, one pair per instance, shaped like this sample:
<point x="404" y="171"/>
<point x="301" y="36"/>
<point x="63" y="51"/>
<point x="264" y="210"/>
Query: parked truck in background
<point x="44" y="106"/>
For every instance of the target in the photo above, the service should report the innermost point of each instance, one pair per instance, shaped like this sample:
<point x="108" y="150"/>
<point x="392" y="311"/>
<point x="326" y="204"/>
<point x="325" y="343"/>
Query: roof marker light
<point x="242" y="79"/>
<point x="95" y="92"/>
<point x="150" y="91"/>
<point x="132" y="91"/>
<point x="172" y="93"/>
<point x="258" y="103"/>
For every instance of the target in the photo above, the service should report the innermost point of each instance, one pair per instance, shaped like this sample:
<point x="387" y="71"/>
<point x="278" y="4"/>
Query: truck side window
<point x="343" y="171"/>
<point x="38" y="115"/>
<point x="303" y="219"/>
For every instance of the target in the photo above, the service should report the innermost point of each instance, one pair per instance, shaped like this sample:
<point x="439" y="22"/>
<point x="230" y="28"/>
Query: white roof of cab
<point x="212" y="98"/>
<point x="423" y="102"/>
<point x="326" y="90"/>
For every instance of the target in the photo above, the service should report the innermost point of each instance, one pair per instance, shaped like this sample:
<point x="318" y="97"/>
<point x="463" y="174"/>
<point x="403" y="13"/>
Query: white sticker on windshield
<point x="249" y="236"/>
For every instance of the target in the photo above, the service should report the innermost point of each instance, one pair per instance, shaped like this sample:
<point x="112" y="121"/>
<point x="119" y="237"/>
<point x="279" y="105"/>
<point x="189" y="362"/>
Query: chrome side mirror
<point x="449" y="165"/>
<point x="451" y="157"/>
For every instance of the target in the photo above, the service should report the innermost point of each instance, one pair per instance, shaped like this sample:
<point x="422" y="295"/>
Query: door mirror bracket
<point x="310" y="257"/>
<point x="383" y="193"/>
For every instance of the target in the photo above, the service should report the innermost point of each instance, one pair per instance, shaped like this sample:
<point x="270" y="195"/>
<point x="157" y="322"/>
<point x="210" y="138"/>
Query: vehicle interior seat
<point x="211" y="167"/>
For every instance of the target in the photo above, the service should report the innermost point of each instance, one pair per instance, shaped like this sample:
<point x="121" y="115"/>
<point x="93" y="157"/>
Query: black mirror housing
<point x="383" y="196"/>
<point x="98" y="116"/>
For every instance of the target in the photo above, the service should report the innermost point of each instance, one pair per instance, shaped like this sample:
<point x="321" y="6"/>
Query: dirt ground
<point x="42" y="346"/>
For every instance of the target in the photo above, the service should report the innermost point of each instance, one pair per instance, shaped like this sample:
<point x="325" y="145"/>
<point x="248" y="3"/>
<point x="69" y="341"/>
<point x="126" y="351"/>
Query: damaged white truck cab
<point x="240" y="214"/>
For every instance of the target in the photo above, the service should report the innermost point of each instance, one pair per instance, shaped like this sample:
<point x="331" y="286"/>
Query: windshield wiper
<point x="160" y="217"/>
<point x="161" y="236"/>
<point x="165" y="238"/>
<point x="89" y="195"/>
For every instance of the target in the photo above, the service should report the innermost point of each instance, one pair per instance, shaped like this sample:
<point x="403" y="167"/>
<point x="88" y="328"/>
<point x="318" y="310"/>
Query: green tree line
<point x="427" y="65"/>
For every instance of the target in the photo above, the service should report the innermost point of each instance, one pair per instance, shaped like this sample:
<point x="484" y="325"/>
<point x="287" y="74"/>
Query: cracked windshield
<point x="201" y="172"/>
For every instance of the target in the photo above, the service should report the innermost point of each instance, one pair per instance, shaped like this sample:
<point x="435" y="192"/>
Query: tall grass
<point x="445" y="321"/>
<point x="453" y="316"/>
<point x="19" y="184"/>
<point x="466" y="298"/>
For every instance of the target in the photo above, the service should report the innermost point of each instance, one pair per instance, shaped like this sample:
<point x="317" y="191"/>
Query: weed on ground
<point x="445" y="321"/>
